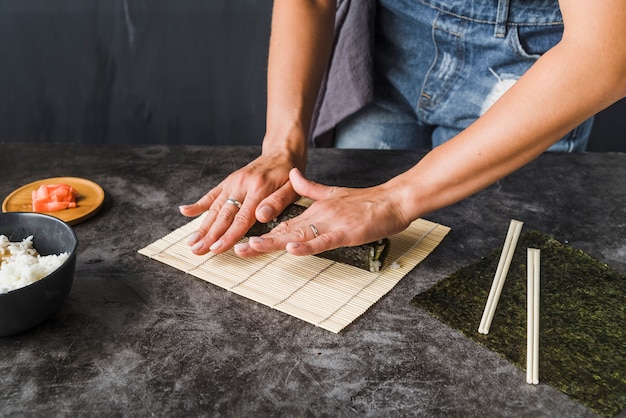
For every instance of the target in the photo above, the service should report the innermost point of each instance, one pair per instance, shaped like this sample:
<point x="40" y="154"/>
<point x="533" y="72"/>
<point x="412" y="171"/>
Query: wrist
<point x="409" y="198"/>
<point x="287" y="144"/>
<point x="287" y="141"/>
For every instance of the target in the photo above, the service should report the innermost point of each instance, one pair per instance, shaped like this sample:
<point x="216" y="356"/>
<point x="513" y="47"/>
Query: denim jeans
<point x="440" y="64"/>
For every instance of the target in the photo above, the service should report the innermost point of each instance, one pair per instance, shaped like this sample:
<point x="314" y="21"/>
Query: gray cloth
<point x="348" y="84"/>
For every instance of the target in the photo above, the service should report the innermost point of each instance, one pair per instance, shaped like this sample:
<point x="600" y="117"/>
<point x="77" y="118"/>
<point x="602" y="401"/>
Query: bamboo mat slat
<point x="325" y="293"/>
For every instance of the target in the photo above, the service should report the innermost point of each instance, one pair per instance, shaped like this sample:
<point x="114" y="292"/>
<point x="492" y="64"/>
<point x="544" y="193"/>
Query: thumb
<point x="307" y="188"/>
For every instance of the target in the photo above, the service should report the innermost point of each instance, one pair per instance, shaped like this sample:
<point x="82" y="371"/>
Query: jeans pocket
<point x="532" y="41"/>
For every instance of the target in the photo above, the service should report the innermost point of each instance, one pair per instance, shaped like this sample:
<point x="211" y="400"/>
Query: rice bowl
<point x="25" y="307"/>
<point x="21" y="264"/>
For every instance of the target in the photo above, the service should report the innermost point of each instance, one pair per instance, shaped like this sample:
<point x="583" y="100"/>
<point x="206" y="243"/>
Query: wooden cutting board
<point x="89" y="200"/>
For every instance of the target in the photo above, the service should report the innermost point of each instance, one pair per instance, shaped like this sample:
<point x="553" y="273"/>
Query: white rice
<point x="21" y="265"/>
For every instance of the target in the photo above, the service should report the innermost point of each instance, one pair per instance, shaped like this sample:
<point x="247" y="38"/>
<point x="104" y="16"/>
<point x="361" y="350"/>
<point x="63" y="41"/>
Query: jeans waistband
<point x="502" y="13"/>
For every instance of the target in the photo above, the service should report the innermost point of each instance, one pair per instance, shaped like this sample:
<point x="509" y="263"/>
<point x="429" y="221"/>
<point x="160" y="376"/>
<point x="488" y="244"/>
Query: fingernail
<point x="197" y="246"/>
<point x="266" y="213"/>
<point x="217" y="244"/>
<point x="292" y="245"/>
<point x="256" y="240"/>
<point x="193" y="238"/>
<point x="241" y="247"/>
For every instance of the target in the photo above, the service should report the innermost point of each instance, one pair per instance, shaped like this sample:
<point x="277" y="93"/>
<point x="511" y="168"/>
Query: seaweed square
<point x="582" y="342"/>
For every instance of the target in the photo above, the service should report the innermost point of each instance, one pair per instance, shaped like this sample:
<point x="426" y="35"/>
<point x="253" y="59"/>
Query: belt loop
<point x="502" y="18"/>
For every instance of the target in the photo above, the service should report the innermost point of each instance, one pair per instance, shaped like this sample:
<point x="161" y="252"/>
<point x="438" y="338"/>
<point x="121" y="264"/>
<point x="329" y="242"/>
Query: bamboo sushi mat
<point x="322" y="292"/>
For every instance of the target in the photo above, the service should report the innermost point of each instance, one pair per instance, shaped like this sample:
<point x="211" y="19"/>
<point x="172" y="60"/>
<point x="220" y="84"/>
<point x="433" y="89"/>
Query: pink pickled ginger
<point x="53" y="197"/>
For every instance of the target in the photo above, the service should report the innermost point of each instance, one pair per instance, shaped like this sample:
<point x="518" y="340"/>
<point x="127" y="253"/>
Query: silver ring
<point x="315" y="231"/>
<point x="234" y="202"/>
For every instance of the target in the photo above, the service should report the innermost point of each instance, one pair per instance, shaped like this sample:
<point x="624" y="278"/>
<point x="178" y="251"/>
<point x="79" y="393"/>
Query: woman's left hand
<point x="338" y="217"/>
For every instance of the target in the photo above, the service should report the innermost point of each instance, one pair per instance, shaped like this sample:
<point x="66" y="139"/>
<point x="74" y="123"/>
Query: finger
<point x="231" y="212"/>
<point x="203" y="239"/>
<point x="219" y="217"/>
<point x="273" y="205"/>
<point x="283" y="234"/>
<point x="190" y="210"/>
<point x="202" y="205"/>
<point x="244" y="250"/>
<point x="308" y="188"/>
<point x="321" y="243"/>
<point x="242" y="221"/>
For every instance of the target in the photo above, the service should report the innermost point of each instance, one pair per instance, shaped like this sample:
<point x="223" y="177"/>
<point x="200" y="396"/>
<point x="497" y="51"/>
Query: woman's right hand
<point x="300" y="44"/>
<point x="262" y="189"/>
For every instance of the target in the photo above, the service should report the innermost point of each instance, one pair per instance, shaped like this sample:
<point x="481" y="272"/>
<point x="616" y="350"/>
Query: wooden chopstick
<point x="512" y="236"/>
<point x="532" y="334"/>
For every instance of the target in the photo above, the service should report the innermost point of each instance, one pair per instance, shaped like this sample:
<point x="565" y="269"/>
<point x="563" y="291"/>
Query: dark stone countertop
<point x="139" y="338"/>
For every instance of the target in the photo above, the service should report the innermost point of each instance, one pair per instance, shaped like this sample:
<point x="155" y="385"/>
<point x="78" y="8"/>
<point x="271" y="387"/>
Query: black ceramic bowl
<point x="23" y="308"/>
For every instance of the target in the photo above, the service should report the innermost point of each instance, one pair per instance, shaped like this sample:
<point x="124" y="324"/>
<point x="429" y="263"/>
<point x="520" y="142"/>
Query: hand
<point x="261" y="188"/>
<point x="341" y="217"/>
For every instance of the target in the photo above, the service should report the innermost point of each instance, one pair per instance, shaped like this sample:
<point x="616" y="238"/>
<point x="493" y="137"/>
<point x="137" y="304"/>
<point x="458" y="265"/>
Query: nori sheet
<point x="582" y="342"/>
<point x="370" y="256"/>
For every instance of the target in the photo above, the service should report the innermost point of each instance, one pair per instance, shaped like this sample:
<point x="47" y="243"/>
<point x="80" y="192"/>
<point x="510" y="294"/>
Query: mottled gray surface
<point x="139" y="338"/>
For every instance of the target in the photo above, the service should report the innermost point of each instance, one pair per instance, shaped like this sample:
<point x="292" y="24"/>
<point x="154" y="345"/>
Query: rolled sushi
<point x="370" y="257"/>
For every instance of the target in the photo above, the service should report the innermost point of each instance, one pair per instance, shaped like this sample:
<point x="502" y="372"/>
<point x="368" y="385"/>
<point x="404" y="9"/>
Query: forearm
<point x="557" y="94"/>
<point x="300" y="45"/>
<point x="582" y="75"/>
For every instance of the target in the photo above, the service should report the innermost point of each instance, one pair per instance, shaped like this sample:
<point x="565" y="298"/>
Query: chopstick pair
<point x="508" y="250"/>
<point x="533" y="287"/>
<point x="532" y="327"/>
